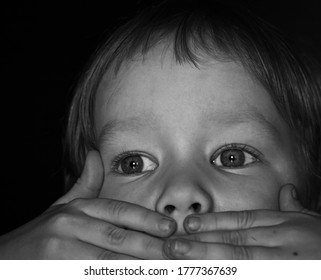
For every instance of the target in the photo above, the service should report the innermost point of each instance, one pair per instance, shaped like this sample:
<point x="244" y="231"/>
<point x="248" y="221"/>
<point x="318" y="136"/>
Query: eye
<point x="130" y="163"/>
<point x="235" y="156"/>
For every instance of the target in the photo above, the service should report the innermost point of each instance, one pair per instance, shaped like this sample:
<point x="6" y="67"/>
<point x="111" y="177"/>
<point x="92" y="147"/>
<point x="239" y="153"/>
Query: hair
<point x="197" y="31"/>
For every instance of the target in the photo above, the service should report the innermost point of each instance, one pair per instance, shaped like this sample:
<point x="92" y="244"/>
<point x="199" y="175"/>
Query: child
<point x="194" y="134"/>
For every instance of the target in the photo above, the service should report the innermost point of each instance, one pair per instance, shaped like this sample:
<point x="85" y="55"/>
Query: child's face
<point x="181" y="140"/>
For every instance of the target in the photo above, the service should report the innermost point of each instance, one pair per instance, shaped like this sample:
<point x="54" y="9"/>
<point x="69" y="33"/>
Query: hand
<point x="81" y="226"/>
<point x="294" y="233"/>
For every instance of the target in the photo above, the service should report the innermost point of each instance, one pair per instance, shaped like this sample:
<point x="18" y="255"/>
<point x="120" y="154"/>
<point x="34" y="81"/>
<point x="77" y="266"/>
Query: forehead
<point x="157" y="89"/>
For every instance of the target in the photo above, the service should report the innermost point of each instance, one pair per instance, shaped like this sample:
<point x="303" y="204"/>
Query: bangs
<point x="195" y="35"/>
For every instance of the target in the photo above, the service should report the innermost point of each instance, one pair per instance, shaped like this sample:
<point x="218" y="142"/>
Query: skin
<point x="80" y="225"/>
<point x="187" y="115"/>
<point x="184" y="206"/>
<point x="158" y="107"/>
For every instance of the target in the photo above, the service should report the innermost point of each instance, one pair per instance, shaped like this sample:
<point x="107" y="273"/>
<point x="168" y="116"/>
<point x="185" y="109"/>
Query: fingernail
<point x="178" y="247"/>
<point x="193" y="223"/>
<point x="294" y="194"/>
<point x="166" y="225"/>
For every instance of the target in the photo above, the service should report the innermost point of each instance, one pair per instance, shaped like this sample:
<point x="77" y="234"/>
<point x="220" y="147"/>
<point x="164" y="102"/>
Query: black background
<point x="46" y="46"/>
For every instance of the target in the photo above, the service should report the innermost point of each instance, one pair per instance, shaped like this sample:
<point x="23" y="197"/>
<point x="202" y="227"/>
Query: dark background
<point x="46" y="47"/>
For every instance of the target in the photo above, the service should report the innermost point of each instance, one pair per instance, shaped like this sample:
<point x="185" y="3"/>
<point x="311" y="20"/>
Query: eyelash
<point x="115" y="163"/>
<point x="236" y="146"/>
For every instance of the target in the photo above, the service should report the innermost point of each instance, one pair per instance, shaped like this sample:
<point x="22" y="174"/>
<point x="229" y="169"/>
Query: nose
<point x="182" y="196"/>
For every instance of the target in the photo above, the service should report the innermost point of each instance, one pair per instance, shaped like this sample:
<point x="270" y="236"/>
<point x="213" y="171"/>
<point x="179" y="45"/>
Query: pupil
<point x="132" y="165"/>
<point x="233" y="158"/>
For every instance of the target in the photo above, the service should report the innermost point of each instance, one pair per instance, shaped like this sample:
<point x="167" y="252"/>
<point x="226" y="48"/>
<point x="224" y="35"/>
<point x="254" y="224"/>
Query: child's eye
<point x="133" y="164"/>
<point x="235" y="156"/>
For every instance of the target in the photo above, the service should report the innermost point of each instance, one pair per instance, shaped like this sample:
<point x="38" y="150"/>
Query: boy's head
<point x="197" y="108"/>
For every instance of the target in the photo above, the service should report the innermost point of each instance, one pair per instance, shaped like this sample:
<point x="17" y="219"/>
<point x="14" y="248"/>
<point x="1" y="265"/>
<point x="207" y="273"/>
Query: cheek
<point x="229" y="193"/>
<point x="137" y="192"/>
<point x="240" y="192"/>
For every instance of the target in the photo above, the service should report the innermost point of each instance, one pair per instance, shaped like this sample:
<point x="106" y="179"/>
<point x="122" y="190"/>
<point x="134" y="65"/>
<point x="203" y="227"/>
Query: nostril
<point x="196" y="207"/>
<point x="169" y="209"/>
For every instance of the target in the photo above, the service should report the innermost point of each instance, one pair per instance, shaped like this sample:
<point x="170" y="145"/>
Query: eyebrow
<point x="250" y="116"/>
<point x="111" y="128"/>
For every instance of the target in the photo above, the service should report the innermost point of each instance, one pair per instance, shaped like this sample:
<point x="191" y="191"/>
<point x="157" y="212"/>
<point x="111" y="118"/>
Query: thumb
<point x="89" y="183"/>
<point x="288" y="199"/>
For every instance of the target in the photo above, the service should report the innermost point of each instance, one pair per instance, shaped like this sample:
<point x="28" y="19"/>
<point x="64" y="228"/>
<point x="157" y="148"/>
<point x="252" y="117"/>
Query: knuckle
<point x="118" y="208"/>
<point x="116" y="236"/>
<point x="51" y="246"/>
<point x="197" y="238"/>
<point x="77" y="203"/>
<point x="241" y="253"/>
<point x="245" y="219"/>
<point x="214" y="222"/>
<point x="60" y="220"/>
<point x="149" y="245"/>
<point x="146" y="216"/>
<point x="108" y="255"/>
<point x="63" y="222"/>
<point x="205" y="250"/>
<point x="234" y="237"/>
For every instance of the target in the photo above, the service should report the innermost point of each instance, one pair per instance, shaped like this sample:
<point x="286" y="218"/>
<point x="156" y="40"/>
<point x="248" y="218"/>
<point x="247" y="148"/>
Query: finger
<point x="92" y="252"/>
<point x="78" y="250"/>
<point x="288" y="200"/>
<point x="108" y="255"/>
<point x="232" y="220"/>
<point x="192" y="250"/>
<point x="128" y="215"/>
<point x="90" y="181"/>
<point x="258" y="236"/>
<point x="114" y="239"/>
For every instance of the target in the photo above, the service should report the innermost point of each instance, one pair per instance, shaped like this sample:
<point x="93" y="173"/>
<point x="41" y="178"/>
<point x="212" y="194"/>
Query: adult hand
<point x="292" y="233"/>
<point x="81" y="226"/>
